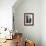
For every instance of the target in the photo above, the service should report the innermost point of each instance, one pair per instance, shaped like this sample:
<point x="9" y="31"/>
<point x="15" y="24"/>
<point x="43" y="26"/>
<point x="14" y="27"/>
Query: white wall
<point x="30" y="32"/>
<point x="6" y="13"/>
<point x="43" y="22"/>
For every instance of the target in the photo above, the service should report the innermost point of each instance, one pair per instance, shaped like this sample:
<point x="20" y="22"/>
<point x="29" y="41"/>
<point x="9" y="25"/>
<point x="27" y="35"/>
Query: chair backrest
<point x="18" y="39"/>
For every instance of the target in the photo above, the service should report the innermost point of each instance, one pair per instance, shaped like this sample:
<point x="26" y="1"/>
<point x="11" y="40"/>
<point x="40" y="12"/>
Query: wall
<point x="43" y="22"/>
<point x="6" y="13"/>
<point x="29" y="32"/>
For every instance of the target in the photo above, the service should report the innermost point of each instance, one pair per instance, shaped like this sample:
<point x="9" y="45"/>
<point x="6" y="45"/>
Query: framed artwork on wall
<point x="28" y="19"/>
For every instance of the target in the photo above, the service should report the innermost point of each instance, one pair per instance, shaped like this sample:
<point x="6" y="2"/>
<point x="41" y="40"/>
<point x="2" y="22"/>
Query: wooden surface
<point x="8" y="43"/>
<point x="17" y="40"/>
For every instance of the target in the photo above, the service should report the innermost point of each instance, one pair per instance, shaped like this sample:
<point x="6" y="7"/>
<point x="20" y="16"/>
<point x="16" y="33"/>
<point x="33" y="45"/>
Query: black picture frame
<point x="28" y="19"/>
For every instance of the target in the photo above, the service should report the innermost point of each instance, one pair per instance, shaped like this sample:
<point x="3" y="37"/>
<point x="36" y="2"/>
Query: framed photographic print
<point x="28" y="19"/>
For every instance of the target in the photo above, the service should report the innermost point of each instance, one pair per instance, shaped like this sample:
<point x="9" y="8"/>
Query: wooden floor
<point x="9" y="43"/>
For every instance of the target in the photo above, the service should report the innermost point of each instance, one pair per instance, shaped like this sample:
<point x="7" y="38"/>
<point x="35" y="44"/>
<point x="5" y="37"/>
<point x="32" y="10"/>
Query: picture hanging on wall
<point x="28" y="19"/>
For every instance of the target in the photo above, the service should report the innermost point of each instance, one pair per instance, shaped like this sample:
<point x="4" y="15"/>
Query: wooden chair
<point x="18" y="39"/>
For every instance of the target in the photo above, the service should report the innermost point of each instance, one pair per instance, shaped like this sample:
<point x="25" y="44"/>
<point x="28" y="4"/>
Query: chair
<point x="18" y="39"/>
